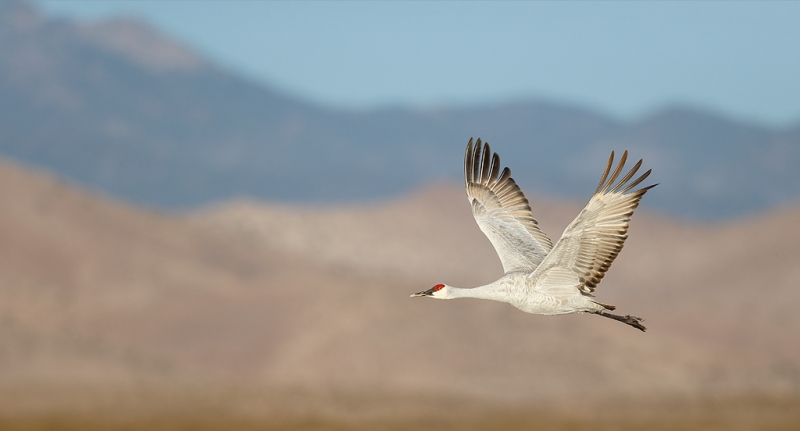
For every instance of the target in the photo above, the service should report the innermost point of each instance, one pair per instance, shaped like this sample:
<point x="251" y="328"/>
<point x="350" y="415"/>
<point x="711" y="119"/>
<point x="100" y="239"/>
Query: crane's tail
<point x="628" y="320"/>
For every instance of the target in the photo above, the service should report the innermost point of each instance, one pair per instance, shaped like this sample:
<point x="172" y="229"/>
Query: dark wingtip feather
<point x="505" y="175"/>
<point x="605" y="173"/>
<point x="637" y="181"/>
<point x="468" y="163"/>
<point x="627" y="177"/>
<point x="476" y="161"/>
<point x="495" y="167"/>
<point x="486" y="159"/>
<point x="617" y="171"/>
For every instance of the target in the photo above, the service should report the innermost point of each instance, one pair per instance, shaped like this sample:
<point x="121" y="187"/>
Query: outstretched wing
<point x="594" y="239"/>
<point x="502" y="212"/>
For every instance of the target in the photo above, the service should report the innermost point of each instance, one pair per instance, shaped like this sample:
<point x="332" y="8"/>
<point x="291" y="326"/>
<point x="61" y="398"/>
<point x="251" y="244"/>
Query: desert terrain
<point x="254" y="315"/>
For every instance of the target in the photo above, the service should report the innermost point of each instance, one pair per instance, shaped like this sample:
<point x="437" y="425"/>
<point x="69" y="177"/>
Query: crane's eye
<point x="438" y="287"/>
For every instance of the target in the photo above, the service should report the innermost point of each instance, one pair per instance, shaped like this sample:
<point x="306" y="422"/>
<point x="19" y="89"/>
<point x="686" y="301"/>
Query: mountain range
<point x="122" y="109"/>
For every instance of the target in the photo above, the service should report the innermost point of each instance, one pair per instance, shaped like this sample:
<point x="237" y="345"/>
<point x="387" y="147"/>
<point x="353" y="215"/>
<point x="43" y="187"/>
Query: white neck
<point x="491" y="291"/>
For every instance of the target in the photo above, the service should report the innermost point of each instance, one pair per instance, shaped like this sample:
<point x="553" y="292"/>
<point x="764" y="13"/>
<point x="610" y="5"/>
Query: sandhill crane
<point x="541" y="278"/>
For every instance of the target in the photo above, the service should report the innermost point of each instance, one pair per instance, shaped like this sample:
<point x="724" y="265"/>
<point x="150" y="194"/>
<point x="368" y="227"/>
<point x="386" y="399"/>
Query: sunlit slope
<point x="91" y="286"/>
<point x="96" y="291"/>
<point x="718" y="299"/>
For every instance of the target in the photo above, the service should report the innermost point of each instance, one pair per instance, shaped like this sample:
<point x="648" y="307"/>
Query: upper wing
<point x="594" y="239"/>
<point x="502" y="212"/>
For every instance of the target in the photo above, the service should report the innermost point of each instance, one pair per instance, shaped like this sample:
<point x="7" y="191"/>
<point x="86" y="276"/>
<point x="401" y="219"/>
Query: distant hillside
<point x="121" y="108"/>
<point x="97" y="293"/>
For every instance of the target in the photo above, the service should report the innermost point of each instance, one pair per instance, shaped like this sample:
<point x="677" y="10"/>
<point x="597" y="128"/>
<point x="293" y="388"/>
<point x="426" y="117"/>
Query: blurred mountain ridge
<point x="120" y="108"/>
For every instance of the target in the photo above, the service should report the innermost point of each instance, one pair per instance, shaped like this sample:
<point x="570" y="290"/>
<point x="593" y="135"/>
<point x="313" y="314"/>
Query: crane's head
<point x="439" y="291"/>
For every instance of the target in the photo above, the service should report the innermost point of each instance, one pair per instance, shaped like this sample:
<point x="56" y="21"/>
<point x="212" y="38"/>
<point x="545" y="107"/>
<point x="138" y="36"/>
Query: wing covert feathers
<point x="502" y="211"/>
<point x="593" y="240"/>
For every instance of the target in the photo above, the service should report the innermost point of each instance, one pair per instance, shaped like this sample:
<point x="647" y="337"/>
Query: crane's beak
<point x="428" y="292"/>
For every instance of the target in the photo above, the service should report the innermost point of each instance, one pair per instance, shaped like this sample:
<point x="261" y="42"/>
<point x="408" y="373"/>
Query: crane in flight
<point x="541" y="278"/>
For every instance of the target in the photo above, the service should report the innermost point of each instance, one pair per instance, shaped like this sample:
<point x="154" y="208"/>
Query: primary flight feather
<point x="541" y="278"/>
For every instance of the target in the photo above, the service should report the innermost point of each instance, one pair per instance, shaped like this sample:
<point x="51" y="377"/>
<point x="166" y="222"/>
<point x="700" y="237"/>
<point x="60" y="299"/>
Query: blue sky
<point x="626" y="59"/>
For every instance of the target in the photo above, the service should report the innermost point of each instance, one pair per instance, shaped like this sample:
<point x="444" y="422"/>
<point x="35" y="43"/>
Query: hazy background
<point x="625" y="60"/>
<point x="214" y="212"/>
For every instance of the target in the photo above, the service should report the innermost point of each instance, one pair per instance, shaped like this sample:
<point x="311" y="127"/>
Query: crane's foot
<point x="628" y="320"/>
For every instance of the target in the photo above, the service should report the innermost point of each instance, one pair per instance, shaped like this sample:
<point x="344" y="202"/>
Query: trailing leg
<point x="628" y="320"/>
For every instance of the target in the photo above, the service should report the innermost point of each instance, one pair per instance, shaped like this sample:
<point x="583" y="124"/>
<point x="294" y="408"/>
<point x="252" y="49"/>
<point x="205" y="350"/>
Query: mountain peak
<point x="19" y="15"/>
<point x="142" y="45"/>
